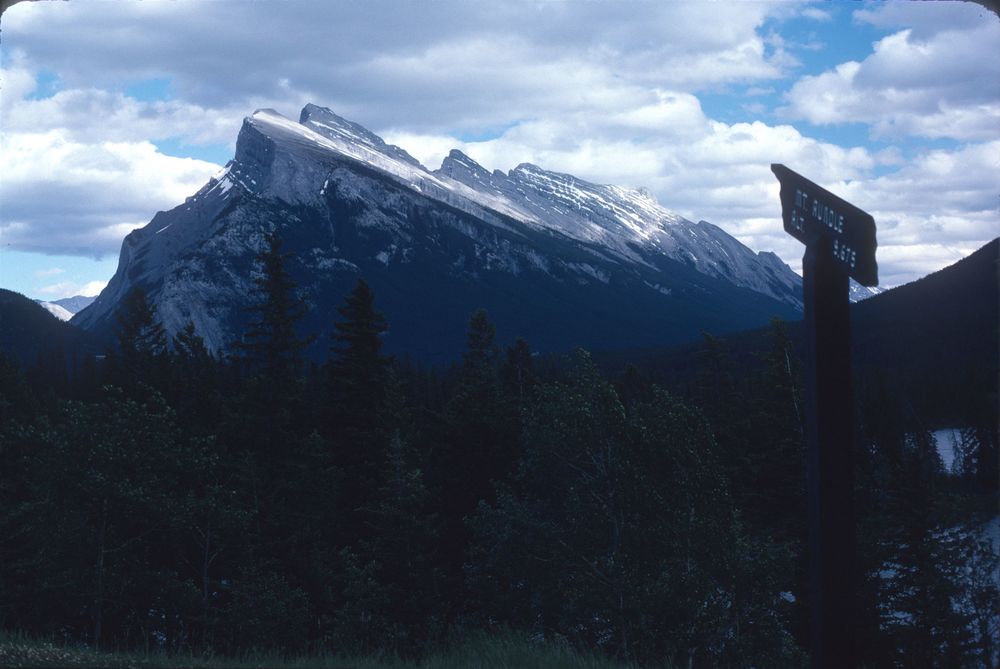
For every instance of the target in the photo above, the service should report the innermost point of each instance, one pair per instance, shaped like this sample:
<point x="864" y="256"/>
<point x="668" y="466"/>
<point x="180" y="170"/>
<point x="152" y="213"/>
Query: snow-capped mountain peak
<point x="292" y="161"/>
<point x="59" y="312"/>
<point x="328" y="124"/>
<point x="348" y="203"/>
<point x="463" y="169"/>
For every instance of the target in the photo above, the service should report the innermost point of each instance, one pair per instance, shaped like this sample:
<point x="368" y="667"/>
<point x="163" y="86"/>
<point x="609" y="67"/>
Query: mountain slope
<point x="30" y="334"/>
<point x="934" y="343"/>
<point x="555" y="259"/>
<point x="939" y="331"/>
<point x="74" y="304"/>
<point x="65" y="307"/>
<point x="56" y="310"/>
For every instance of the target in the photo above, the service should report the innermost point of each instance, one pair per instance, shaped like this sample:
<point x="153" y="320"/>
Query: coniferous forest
<point x="165" y="498"/>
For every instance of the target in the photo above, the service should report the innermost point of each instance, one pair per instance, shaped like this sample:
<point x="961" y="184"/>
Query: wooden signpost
<point x="840" y="243"/>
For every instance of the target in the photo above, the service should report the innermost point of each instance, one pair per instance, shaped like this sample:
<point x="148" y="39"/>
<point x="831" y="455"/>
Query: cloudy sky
<point x="112" y="111"/>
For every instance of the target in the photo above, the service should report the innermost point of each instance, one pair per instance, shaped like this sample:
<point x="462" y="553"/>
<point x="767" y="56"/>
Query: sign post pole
<point x="840" y="244"/>
<point x="829" y="466"/>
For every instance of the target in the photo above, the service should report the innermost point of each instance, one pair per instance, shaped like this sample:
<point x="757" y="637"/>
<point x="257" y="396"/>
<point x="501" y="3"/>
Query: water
<point x="948" y="441"/>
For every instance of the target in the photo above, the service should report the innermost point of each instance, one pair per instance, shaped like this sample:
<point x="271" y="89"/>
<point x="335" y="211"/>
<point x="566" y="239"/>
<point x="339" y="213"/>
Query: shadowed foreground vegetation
<point x="482" y="652"/>
<point x="165" y="500"/>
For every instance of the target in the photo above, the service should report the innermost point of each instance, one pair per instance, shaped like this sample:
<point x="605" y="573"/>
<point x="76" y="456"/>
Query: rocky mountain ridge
<point x="64" y="308"/>
<point x="531" y="245"/>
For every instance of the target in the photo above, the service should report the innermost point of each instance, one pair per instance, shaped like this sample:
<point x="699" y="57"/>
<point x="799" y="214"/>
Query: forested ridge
<point x="168" y="499"/>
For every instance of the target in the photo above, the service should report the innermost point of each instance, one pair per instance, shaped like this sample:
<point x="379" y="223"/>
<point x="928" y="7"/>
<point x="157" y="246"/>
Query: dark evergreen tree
<point x="357" y="368"/>
<point x="140" y="358"/>
<point x="207" y="544"/>
<point x="481" y="447"/>
<point x="189" y="345"/>
<point x="17" y="402"/>
<point x="139" y="333"/>
<point x="267" y="430"/>
<point x="925" y="576"/>
<point x="517" y="374"/>
<point x="263" y="609"/>
<point x="633" y="387"/>
<point x="271" y="347"/>
<point x="617" y="530"/>
<point x="479" y="444"/>
<point x="103" y="486"/>
<point x="270" y="411"/>
<point x="921" y="545"/>
<point x="196" y="377"/>
<point x="391" y="579"/>
<point x="356" y="420"/>
<point x="770" y="485"/>
<point x="718" y="393"/>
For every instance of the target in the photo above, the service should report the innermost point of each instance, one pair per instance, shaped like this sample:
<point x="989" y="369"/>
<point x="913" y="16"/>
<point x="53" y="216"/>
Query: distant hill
<point x="59" y="312"/>
<point x="75" y="303"/>
<point x="934" y="340"/>
<point x="34" y="337"/>
<point x="938" y="335"/>
<point x="66" y="307"/>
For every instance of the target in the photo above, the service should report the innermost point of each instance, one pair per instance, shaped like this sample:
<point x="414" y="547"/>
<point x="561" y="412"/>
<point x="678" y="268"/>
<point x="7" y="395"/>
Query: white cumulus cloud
<point x="608" y="91"/>
<point x="63" y="196"/>
<point x="928" y="81"/>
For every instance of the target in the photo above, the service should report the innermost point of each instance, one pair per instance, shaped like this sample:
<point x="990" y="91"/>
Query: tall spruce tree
<point x="479" y="446"/>
<point x="271" y="347"/>
<point x="138" y="330"/>
<point x="926" y="579"/>
<point x="516" y="375"/>
<point x="355" y="408"/>
<point x="357" y="368"/>
<point x="391" y="579"/>
<point x="195" y="381"/>
<point x="482" y="448"/>
<point x="266" y="423"/>
<point x="142" y="343"/>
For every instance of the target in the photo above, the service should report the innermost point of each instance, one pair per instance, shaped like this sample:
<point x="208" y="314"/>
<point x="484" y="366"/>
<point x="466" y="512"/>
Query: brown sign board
<point x="811" y="213"/>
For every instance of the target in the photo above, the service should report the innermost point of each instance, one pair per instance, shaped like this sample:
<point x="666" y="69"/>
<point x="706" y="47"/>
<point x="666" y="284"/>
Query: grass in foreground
<point x="483" y="652"/>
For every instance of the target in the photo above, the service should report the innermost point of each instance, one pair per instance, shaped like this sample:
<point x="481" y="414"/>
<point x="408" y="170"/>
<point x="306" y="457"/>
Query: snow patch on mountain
<point x="311" y="176"/>
<point x="856" y="292"/>
<point x="57" y="311"/>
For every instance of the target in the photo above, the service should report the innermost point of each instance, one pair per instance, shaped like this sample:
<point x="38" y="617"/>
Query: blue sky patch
<point x="847" y="135"/>
<point x="731" y="108"/>
<point x="821" y="45"/>
<point x="177" y="147"/>
<point x="151" y="90"/>
<point x="47" y="84"/>
<point x="50" y="277"/>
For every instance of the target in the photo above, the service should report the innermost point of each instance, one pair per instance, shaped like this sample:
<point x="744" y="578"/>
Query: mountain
<point x="856" y="292"/>
<point x="76" y="303"/>
<point x="30" y="334"/>
<point x="553" y="258"/>
<point x="939" y="332"/>
<point x="933" y="343"/>
<point x="56" y="310"/>
<point x="64" y="308"/>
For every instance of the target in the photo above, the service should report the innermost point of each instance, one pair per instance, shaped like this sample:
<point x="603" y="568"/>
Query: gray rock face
<point x="629" y="223"/>
<point x="64" y="308"/>
<point x="75" y="303"/>
<point x="328" y="124"/>
<point x="554" y="253"/>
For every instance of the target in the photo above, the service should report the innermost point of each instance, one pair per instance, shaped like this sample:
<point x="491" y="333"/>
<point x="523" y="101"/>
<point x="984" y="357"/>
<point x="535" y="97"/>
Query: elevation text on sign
<point x="811" y="212"/>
